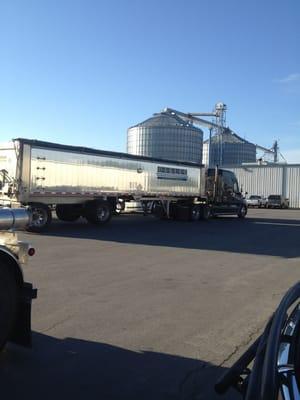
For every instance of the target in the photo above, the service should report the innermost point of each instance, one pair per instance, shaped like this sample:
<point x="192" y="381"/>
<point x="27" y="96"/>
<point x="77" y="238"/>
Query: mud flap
<point x="21" y="334"/>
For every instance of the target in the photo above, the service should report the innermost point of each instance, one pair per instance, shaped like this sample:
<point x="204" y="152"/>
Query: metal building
<point x="228" y="147"/>
<point x="166" y="136"/>
<point x="264" y="180"/>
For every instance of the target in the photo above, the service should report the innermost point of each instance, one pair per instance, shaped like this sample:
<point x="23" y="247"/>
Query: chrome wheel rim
<point x="243" y="211"/>
<point x="39" y="217"/>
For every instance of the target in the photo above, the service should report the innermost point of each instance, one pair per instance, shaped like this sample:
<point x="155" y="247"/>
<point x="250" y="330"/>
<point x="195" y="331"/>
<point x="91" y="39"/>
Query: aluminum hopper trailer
<point x="84" y="182"/>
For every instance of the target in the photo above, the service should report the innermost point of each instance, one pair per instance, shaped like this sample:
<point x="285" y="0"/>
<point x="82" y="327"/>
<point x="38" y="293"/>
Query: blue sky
<point x="82" y="71"/>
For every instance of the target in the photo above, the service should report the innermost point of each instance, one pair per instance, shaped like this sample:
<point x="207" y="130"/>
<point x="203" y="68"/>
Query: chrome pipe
<point x="14" y="218"/>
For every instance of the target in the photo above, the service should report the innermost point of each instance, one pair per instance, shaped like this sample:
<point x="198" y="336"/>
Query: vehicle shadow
<point x="78" y="369"/>
<point x="253" y="235"/>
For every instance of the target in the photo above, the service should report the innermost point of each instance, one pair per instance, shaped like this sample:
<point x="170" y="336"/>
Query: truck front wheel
<point x="8" y="302"/>
<point x="242" y="212"/>
<point x="41" y="217"/>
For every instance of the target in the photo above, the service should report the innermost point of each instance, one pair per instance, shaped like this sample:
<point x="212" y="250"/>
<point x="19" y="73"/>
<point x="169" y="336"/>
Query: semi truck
<point x="94" y="184"/>
<point x="15" y="294"/>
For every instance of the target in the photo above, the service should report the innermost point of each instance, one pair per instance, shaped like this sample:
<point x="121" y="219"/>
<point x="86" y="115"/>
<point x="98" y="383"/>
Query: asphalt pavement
<point x="149" y="309"/>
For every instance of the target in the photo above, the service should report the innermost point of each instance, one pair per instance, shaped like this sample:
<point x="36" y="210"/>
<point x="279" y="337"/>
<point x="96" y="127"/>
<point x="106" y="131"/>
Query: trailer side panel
<point x="66" y="175"/>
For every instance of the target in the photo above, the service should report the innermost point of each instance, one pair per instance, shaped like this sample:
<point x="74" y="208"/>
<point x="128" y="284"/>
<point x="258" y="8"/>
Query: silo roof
<point x="229" y="137"/>
<point x="165" y="120"/>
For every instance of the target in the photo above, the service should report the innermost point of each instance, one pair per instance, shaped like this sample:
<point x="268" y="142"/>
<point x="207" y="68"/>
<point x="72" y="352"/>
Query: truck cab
<point x="223" y="193"/>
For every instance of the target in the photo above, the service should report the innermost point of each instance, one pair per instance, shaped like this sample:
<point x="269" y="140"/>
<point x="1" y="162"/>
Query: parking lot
<point x="149" y="309"/>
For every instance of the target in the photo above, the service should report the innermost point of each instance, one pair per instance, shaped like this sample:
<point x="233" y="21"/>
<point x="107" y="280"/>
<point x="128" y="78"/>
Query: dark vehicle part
<point x="195" y="213"/>
<point x="15" y="294"/>
<point x="184" y="212"/>
<point x="98" y="212"/>
<point x="205" y="212"/>
<point x="276" y="355"/>
<point x="158" y="210"/>
<point x="68" y="212"/>
<point x="9" y="295"/>
<point x="223" y="194"/>
<point x="242" y="212"/>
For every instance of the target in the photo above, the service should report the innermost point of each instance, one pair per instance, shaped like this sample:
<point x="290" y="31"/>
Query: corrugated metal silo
<point x="229" y="149"/>
<point x="166" y="136"/>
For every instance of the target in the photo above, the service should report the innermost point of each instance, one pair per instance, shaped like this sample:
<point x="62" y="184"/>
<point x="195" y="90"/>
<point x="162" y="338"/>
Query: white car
<point x="256" y="201"/>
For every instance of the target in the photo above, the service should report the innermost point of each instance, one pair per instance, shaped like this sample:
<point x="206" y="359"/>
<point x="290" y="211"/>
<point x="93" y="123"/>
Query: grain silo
<point x="228" y="149"/>
<point x="166" y="136"/>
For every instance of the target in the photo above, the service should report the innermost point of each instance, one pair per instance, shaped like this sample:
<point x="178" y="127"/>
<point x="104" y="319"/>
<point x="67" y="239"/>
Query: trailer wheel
<point x="8" y="302"/>
<point x="205" y="213"/>
<point x="195" y="213"/>
<point x="158" y="210"/>
<point x="67" y="213"/>
<point x="98" y="212"/>
<point x="242" y="212"/>
<point x="41" y="217"/>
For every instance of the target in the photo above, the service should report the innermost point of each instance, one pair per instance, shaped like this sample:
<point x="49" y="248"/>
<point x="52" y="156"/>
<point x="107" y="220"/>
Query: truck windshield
<point x="254" y="197"/>
<point x="274" y="197"/>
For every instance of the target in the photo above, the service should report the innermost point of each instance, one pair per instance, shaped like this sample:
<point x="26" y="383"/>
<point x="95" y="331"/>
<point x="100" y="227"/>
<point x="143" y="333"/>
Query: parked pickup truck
<point x="256" y="201"/>
<point x="277" y="201"/>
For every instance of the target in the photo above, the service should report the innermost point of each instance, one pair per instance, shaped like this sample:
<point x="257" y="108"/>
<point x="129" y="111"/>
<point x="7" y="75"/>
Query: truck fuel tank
<point x="14" y="218"/>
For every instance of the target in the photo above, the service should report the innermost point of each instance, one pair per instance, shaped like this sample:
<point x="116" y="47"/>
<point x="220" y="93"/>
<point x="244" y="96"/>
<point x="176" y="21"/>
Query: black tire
<point x="195" y="213"/>
<point x="205" y="213"/>
<point x="98" y="212"/>
<point x="158" y="211"/>
<point x="242" y="212"/>
<point x="41" y="217"/>
<point x="8" y="301"/>
<point x="66" y="212"/>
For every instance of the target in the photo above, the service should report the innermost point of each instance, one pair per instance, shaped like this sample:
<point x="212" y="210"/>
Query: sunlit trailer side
<point x="80" y="181"/>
